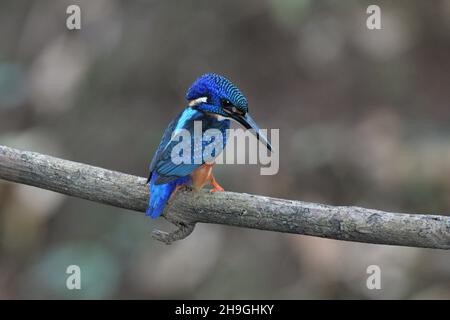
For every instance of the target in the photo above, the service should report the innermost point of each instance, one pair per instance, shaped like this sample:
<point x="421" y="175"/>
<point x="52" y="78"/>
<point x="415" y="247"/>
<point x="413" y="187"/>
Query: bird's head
<point x="218" y="96"/>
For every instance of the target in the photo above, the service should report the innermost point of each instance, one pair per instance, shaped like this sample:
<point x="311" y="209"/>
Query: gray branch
<point x="187" y="208"/>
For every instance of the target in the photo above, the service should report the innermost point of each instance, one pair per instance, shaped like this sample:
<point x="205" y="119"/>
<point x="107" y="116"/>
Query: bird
<point x="214" y="101"/>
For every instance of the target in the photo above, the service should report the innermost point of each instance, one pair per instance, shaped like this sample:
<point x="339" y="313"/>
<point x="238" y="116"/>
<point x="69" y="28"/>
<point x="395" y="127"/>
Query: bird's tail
<point x="160" y="194"/>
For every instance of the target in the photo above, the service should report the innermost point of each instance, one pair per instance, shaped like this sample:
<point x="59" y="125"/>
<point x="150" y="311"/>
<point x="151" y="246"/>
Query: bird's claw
<point x="216" y="186"/>
<point x="216" y="189"/>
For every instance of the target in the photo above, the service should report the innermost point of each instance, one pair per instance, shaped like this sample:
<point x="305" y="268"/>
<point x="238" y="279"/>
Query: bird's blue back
<point x="165" y="175"/>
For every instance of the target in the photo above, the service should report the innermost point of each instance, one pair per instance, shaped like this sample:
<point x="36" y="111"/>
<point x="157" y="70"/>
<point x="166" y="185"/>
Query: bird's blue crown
<point x="219" y="92"/>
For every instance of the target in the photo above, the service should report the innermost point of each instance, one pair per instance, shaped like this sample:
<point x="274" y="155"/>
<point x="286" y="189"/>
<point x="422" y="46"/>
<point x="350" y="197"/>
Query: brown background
<point x="363" y="118"/>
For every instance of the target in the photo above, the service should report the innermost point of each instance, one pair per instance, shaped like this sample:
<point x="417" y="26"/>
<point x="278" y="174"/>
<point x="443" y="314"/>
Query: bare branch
<point x="228" y="208"/>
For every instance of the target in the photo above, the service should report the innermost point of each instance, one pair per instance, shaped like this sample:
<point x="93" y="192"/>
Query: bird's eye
<point x="226" y="103"/>
<point x="229" y="108"/>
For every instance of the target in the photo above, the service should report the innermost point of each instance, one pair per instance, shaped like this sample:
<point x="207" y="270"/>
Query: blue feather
<point x="160" y="194"/>
<point x="165" y="175"/>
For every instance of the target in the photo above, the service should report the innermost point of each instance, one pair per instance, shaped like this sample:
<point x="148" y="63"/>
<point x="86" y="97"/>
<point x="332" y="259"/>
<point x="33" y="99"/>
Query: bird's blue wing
<point x="162" y="162"/>
<point x="162" y="145"/>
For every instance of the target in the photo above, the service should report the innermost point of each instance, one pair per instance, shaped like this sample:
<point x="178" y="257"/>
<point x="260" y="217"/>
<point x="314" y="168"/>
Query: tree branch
<point x="228" y="208"/>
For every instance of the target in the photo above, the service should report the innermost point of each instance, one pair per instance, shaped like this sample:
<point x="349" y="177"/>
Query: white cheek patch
<point x="197" y="101"/>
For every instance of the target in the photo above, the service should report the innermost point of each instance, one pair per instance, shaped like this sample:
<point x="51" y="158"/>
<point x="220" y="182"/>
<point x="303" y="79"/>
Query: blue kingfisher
<point x="213" y="100"/>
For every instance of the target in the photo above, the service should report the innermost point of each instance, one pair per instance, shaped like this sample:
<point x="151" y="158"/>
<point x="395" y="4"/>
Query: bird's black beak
<point x="249" y="123"/>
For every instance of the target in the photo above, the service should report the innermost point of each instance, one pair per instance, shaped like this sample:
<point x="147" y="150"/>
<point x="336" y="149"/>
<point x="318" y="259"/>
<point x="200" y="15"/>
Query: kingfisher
<point x="213" y="101"/>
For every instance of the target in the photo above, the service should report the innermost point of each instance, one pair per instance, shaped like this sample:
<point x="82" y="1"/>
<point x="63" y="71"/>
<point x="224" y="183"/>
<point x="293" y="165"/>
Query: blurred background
<point x="363" y="117"/>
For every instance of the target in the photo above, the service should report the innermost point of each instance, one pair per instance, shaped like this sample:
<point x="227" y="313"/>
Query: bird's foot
<point x="216" y="189"/>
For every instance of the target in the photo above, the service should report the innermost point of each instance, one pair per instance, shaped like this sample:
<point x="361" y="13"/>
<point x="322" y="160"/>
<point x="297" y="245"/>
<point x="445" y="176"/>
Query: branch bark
<point x="234" y="209"/>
